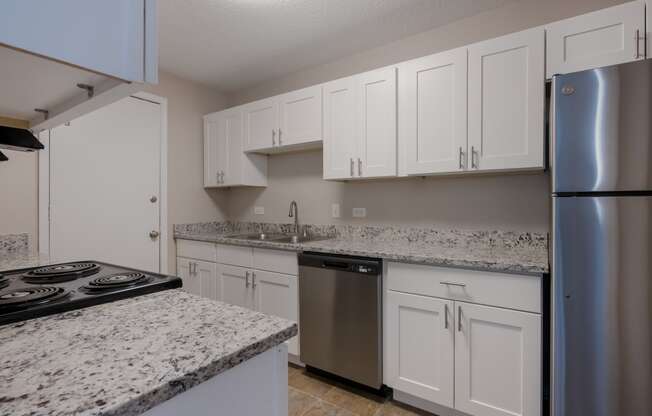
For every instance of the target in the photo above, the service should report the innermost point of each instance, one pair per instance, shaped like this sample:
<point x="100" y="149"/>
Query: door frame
<point x="44" y="185"/>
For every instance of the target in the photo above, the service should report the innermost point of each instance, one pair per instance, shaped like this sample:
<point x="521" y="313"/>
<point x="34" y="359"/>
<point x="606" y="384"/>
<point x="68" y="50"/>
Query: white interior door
<point x="341" y="135"/>
<point x="105" y="184"/>
<point x="432" y="113"/>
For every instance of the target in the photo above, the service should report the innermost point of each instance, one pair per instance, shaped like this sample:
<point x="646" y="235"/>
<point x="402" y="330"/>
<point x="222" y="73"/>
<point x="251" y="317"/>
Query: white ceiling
<point x="232" y="44"/>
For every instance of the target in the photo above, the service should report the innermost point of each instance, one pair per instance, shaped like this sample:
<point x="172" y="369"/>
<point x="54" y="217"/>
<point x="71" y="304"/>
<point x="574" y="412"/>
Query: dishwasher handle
<point x="361" y="265"/>
<point x="329" y="264"/>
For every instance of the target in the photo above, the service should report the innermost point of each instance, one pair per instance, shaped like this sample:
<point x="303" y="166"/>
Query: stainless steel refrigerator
<point x="602" y="241"/>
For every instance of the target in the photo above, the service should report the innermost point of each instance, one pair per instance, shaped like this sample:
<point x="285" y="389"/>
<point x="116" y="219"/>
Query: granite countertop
<point x="125" y="357"/>
<point x="508" y="252"/>
<point x="23" y="259"/>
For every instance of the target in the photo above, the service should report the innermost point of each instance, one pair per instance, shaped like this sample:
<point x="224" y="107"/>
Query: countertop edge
<point x="496" y="267"/>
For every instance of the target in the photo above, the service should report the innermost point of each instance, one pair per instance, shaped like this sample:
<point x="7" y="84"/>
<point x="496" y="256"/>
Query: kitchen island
<point x="160" y="354"/>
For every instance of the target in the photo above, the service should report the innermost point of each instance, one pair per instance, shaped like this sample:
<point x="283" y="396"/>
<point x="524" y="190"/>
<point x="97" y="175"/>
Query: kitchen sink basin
<point x="257" y="236"/>
<point x="295" y="239"/>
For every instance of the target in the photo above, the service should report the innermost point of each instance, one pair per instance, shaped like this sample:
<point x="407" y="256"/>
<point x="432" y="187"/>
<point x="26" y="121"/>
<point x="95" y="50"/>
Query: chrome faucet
<point x="294" y="212"/>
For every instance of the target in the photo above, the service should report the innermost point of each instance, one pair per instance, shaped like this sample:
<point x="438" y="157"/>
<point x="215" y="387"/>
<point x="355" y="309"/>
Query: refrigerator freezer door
<point x="602" y="134"/>
<point x="602" y="306"/>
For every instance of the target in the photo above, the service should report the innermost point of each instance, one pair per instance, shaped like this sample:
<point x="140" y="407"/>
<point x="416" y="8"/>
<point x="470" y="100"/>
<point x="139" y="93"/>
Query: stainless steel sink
<point x="257" y="236"/>
<point x="296" y="239"/>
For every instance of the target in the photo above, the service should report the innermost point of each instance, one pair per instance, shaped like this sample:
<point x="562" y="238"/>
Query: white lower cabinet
<point x="497" y="361"/>
<point x="420" y="346"/>
<point x="199" y="277"/>
<point x="479" y="360"/>
<point x="236" y="286"/>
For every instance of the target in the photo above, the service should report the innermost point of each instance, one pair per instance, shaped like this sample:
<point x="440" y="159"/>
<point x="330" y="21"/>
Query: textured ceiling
<point x="232" y="44"/>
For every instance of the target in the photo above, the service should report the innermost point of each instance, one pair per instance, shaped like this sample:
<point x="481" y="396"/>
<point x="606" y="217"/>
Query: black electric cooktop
<point x="39" y="291"/>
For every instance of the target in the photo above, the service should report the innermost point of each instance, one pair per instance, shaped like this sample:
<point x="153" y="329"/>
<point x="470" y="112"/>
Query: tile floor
<point x="312" y="395"/>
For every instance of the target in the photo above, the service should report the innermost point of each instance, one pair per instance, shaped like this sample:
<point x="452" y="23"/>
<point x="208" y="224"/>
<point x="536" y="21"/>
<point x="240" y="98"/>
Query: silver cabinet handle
<point x="359" y="167"/>
<point x="273" y="137"/>
<point x="253" y="280"/>
<point x="352" y="167"/>
<point x="217" y="176"/>
<point x="452" y="284"/>
<point x="280" y="133"/>
<point x="246" y="279"/>
<point x="221" y="176"/>
<point x="461" y="156"/>
<point x="446" y="316"/>
<point x="474" y="165"/>
<point x="637" y="39"/>
<point x="459" y="318"/>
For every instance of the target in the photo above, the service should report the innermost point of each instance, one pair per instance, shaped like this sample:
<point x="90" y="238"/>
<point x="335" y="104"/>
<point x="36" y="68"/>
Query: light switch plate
<point x="335" y="210"/>
<point x="359" y="212"/>
<point x="259" y="210"/>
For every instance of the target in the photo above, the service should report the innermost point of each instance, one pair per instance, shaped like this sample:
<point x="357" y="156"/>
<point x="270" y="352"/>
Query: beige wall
<point x="19" y="194"/>
<point x="187" y="199"/>
<point x="517" y="202"/>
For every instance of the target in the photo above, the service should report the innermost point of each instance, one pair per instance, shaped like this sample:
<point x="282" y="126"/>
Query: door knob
<point x="153" y="199"/>
<point x="153" y="234"/>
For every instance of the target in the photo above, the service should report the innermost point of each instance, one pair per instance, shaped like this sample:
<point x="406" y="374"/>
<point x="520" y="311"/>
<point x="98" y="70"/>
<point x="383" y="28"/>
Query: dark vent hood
<point x="3" y="158"/>
<point x="18" y="139"/>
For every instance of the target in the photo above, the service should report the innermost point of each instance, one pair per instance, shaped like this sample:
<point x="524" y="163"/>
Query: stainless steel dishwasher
<point x="340" y="316"/>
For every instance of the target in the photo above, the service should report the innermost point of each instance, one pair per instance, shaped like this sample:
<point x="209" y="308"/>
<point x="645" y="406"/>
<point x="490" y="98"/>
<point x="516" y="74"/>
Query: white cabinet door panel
<point x="421" y="346"/>
<point x="215" y="149"/>
<point x="277" y="294"/>
<point x="235" y="286"/>
<point x="497" y="361"/>
<point x="601" y="38"/>
<point x="432" y="113"/>
<point x="260" y="124"/>
<point x="185" y="270"/>
<point x="341" y="134"/>
<point x="232" y="172"/>
<point x="300" y="114"/>
<point x="206" y="274"/>
<point x="377" y="123"/>
<point x="506" y="102"/>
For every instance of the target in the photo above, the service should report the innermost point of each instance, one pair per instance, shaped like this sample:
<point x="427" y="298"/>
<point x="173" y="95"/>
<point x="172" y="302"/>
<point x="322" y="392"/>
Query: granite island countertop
<point x="507" y="252"/>
<point x="125" y="357"/>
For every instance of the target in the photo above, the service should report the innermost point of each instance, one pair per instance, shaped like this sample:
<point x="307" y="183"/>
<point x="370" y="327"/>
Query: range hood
<point x="18" y="139"/>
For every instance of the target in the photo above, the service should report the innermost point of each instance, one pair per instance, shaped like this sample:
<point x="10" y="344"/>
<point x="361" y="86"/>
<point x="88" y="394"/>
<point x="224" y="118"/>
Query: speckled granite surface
<point x="22" y="259"/>
<point x="12" y="243"/>
<point x="125" y="357"/>
<point x="499" y="251"/>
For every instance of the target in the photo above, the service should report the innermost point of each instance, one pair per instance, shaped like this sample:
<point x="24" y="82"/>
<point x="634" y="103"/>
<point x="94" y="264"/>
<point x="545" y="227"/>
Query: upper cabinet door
<point x="215" y="149"/>
<point x="506" y="102"/>
<point x="116" y="38"/>
<point x="432" y="113"/>
<point x="377" y="124"/>
<point x="261" y="124"/>
<point x="341" y="133"/>
<point x="300" y="115"/>
<point x="420" y="346"/>
<point x="497" y="361"/>
<point x="232" y="120"/>
<point x="605" y="37"/>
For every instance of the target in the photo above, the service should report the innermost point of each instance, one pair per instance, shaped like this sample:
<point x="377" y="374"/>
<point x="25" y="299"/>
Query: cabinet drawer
<point x="276" y="261"/>
<point x="235" y="255"/>
<point x="488" y="288"/>
<point x="199" y="250"/>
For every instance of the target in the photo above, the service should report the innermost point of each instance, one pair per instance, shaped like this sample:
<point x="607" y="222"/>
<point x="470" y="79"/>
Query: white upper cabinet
<point x="420" y="346"/>
<point x="360" y="126"/>
<point x="497" y="361"/>
<point x="285" y="122"/>
<point x="605" y="37"/>
<point x="260" y="124"/>
<point x="225" y="163"/>
<point x="116" y="38"/>
<point x="300" y="115"/>
<point x="432" y="113"/>
<point x="377" y="104"/>
<point x="341" y="135"/>
<point x="506" y="102"/>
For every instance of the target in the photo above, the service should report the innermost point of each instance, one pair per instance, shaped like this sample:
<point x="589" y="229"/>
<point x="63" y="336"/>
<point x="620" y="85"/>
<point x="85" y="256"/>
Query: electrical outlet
<point x="359" y="212"/>
<point x="259" y="210"/>
<point x="335" y="210"/>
